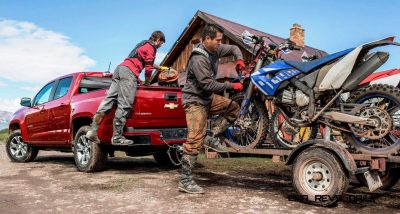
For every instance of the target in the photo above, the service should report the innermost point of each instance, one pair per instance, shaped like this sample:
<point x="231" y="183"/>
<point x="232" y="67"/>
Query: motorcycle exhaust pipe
<point x="364" y="69"/>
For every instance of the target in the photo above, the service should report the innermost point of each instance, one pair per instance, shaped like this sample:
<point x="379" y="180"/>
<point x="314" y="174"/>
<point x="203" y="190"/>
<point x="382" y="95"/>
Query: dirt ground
<point x="51" y="184"/>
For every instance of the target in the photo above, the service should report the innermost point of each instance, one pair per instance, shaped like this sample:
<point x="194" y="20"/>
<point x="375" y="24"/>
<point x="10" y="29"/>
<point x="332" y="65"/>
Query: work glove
<point x="237" y="86"/>
<point x="164" y="68"/>
<point x="147" y="80"/>
<point x="240" y="65"/>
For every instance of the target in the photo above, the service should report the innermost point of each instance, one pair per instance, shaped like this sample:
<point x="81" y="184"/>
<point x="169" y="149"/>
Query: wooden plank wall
<point x="181" y="61"/>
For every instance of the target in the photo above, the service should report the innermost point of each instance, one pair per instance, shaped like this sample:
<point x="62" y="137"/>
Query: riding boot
<point x="92" y="134"/>
<point x="219" y="126"/>
<point x="213" y="141"/>
<point x="118" y="129"/>
<point x="186" y="182"/>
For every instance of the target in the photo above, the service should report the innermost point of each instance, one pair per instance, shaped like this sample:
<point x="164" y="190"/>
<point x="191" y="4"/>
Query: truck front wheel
<point x="89" y="156"/>
<point x="18" y="150"/>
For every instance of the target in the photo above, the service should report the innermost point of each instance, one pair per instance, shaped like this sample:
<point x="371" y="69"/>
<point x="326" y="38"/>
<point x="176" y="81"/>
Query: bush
<point x="3" y="135"/>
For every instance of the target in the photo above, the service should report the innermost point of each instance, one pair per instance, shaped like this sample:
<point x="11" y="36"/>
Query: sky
<point x="43" y="39"/>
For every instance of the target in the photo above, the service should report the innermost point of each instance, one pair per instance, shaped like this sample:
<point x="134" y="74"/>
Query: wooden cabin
<point x="178" y="56"/>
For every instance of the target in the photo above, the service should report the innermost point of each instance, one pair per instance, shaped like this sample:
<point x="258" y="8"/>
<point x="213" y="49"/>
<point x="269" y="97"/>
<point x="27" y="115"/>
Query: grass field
<point x="3" y="135"/>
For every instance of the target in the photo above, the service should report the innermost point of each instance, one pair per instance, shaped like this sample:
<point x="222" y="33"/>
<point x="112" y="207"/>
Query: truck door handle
<point x="171" y="97"/>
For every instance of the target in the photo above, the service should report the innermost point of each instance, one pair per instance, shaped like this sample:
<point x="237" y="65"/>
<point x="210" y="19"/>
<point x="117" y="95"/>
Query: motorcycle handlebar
<point x="257" y="39"/>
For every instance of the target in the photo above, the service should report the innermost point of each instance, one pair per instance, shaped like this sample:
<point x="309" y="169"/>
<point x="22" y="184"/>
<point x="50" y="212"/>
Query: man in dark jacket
<point x="199" y="100"/>
<point x="123" y="87"/>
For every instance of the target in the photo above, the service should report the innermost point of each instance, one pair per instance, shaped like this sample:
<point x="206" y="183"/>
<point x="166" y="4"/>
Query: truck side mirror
<point x="26" y="101"/>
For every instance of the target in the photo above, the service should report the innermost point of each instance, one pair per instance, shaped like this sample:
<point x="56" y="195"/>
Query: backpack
<point x="134" y="54"/>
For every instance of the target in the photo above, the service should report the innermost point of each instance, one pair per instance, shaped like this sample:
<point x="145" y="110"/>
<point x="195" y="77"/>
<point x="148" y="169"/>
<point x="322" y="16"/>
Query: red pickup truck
<point x="60" y="114"/>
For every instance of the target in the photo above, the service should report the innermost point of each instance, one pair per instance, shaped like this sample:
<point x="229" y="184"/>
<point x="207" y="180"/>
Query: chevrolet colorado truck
<point x="60" y="114"/>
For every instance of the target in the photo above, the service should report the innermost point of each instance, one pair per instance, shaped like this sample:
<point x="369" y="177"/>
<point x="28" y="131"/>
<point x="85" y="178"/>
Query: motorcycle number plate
<point x="373" y="180"/>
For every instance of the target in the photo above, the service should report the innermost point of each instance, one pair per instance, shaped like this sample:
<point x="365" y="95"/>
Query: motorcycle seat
<point x="306" y="67"/>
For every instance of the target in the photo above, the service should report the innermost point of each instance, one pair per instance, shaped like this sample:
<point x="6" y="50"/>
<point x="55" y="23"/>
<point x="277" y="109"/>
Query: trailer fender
<point x="345" y="157"/>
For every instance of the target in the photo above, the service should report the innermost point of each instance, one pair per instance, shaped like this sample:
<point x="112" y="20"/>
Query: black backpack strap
<point x="155" y="51"/>
<point x="133" y="53"/>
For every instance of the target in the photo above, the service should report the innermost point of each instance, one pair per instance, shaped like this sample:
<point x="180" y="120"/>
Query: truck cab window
<point x="63" y="87"/>
<point x="44" y="94"/>
<point x="89" y="84"/>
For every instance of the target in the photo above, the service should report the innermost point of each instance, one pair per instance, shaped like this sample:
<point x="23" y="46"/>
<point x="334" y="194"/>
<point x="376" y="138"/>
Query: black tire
<point x="162" y="158"/>
<point x="262" y="124"/>
<point x="89" y="156"/>
<point x="388" y="92"/>
<point x="19" y="151"/>
<point x="331" y="178"/>
<point x="280" y="142"/>
<point x="389" y="179"/>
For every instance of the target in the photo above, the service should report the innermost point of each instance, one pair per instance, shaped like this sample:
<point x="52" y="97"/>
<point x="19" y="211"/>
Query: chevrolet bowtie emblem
<point x="171" y="106"/>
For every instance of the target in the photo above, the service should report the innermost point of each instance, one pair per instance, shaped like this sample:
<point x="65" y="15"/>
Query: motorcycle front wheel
<point x="251" y="128"/>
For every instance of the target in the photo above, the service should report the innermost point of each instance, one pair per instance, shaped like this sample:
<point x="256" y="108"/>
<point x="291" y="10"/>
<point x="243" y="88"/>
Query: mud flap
<point x="373" y="180"/>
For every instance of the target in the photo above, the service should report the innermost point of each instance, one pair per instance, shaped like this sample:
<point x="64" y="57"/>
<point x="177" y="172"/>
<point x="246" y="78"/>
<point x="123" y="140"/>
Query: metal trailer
<point x="321" y="169"/>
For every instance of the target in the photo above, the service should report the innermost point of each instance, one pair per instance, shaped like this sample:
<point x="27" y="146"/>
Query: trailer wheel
<point x="388" y="178"/>
<point x="319" y="175"/>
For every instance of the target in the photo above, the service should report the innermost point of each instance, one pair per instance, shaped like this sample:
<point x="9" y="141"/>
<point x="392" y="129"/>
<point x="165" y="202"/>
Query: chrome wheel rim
<point x="18" y="148"/>
<point x="83" y="150"/>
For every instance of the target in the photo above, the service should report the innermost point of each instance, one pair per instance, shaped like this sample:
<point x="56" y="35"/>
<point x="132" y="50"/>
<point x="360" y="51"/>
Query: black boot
<point x="186" y="182"/>
<point x="118" y="139"/>
<point x="92" y="134"/>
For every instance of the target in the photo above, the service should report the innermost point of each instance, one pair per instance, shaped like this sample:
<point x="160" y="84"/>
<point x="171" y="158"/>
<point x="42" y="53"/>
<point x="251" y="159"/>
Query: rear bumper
<point x="155" y="137"/>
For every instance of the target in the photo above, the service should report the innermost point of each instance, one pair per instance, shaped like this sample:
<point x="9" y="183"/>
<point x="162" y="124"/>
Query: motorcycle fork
<point x="249" y="93"/>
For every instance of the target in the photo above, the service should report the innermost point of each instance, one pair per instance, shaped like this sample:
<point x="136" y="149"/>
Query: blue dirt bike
<point x="310" y="94"/>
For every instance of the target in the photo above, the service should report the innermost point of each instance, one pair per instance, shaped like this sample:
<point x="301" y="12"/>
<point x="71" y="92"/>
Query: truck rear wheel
<point x="318" y="174"/>
<point x="89" y="156"/>
<point x="18" y="150"/>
